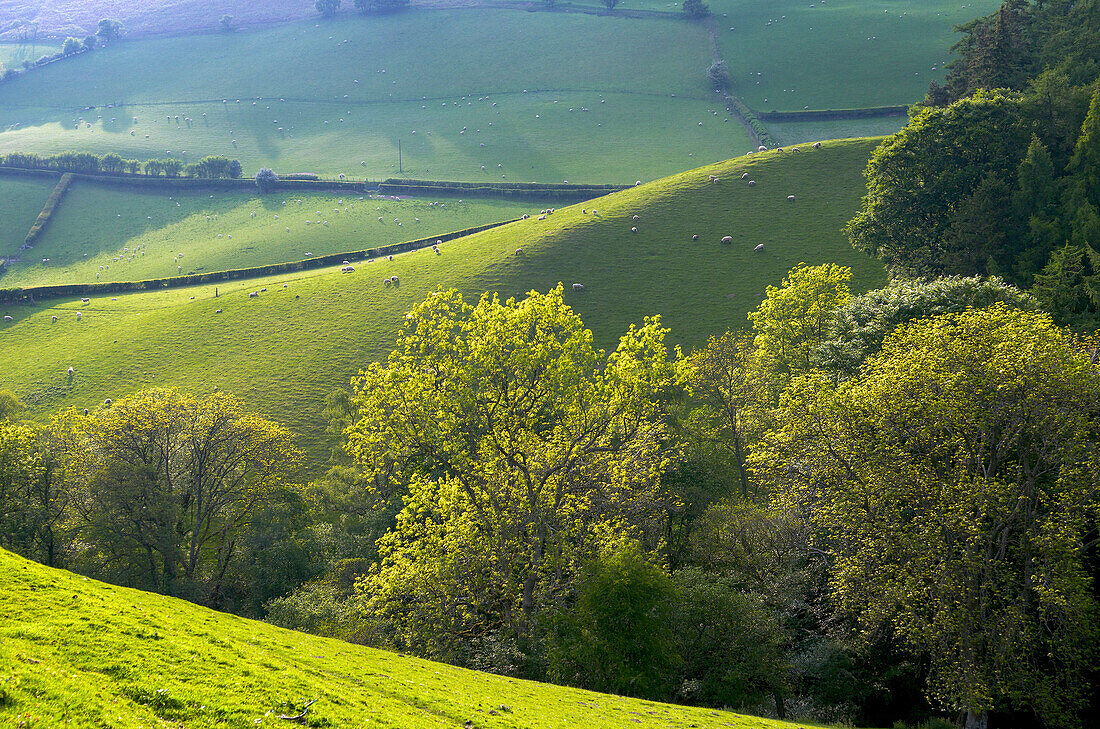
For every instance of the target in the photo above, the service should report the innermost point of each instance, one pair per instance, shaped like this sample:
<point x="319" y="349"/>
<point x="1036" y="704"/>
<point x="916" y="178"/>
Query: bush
<point x="266" y="179"/>
<point x="718" y="74"/>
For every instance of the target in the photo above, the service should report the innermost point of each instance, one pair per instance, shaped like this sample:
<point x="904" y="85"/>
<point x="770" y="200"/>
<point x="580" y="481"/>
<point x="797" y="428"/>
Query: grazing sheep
<point x="107" y="403"/>
<point x="761" y="148"/>
<point x="284" y="286"/>
<point x="752" y="183"/>
<point x="790" y="198"/>
<point x="218" y="311"/>
<point x="394" y="279"/>
<point x="578" y="287"/>
<point x="85" y="301"/>
<point x="253" y="294"/>
<point x="816" y="145"/>
<point x="795" y="149"/>
<point x="85" y="411"/>
<point x="525" y="216"/>
<point x="595" y="211"/>
<point x="8" y="318"/>
<point x="714" y="178"/>
<point x="695" y="237"/>
<point x="70" y="371"/>
<point x="542" y="217"/>
<point x="263" y="290"/>
<point x="633" y="230"/>
<point x="55" y="317"/>
<point x="78" y="316"/>
<point x="744" y="175"/>
<point x="727" y="239"/>
<point x="519" y="251"/>
<point x="759" y="247"/>
<point x="637" y="217"/>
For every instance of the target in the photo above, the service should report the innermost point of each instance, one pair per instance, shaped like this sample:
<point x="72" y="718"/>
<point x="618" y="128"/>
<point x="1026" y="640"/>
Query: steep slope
<point x="83" y="653"/>
<point x="282" y="350"/>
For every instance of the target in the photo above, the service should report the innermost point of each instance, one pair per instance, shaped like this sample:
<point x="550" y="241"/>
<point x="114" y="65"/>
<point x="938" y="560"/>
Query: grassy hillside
<point x="283" y="350"/>
<point x="21" y="199"/>
<point x="109" y="234"/>
<point x="461" y="89"/>
<point x="787" y="54"/>
<point x="82" y="653"/>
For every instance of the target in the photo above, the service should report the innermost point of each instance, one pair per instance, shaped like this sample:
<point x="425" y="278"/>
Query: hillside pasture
<point x="839" y="54"/>
<point x="112" y="234"/>
<point x="511" y="96"/>
<point x="21" y="199"/>
<point x="13" y="54"/>
<point x="79" y="652"/>
<point x="282" y="350"/>
<point x="800" y="132"/>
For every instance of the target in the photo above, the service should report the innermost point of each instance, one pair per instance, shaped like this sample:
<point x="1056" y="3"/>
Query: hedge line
<point x="48" y="209"/>
<point x="188" y="183"/>
<point x="750" y="119"/>
<point x="529" y="191"/>
<point x="503" y="185"/>
<point x="834" y="114"/>
<point x="33" y="293"/>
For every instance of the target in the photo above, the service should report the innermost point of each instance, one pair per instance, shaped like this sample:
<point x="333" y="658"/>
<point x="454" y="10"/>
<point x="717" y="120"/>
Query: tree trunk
<point x="976" y="720"/>
<point x="780" y="707"/>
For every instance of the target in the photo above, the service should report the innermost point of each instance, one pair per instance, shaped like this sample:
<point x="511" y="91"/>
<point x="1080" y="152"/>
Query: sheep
<point x="713" y="178"/>
<point x="752" y="183"/>
<point x="519" y="251"/>
<point x="744" y="175"/>
<point x="8" y="318"/>
<point x="578" y="287"/>
<point x="525" y="216"/>
<point x="218" y="311"/>
<point x="595" y="211"/>
<point x="85" y="411"/>
<point x="54" y="317"/>
<point x="394" y="279"/>
<point x="284" y="286"/>
<point x="542" y="217"/>
<point x="795" y="149"/>
<point x="637" y="217"/>
<point x="633" y="230"/>
<point x="70" y="371"/>
<point x="107" y="403"/>
<point x="790" y="198"/>
<point x="695" y="237"/>
<point x="386" y="282"/>
<point x="253" y="294"/>
<point x="263" y="290"/>
<point x="759" y="247"/>
<point x="727" y="239"/>
<point x="761" y="148"/>
<point x="816" y="145"/>
<point x="78" y="315"/>
<point x="85" y="301"/>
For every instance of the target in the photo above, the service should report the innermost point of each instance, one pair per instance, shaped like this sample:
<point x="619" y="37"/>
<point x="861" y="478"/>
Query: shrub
<point x="266" y="179"/>
<point x="718" y="73"/>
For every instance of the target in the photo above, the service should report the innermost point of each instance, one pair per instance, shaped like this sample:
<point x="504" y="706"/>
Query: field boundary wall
<point x="832" y="114"/>
<point x="31" y="294"/>
<point x="48" y="209"/>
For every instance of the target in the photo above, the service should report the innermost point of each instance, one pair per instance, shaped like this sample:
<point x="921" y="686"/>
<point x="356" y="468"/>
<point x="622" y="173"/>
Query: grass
<point x="838" y="54"/>
<point x="282" y="351"/>
<point x="461" y="90"/>
<point x="808" y="131"/>
<point x="111" y="234"/>
<point x="12" y="54"/>
<point x="78" y="652"/>
<point x="21" y="199"/>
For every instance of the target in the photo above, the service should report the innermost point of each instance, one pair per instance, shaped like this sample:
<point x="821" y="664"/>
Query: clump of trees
<point x="211" y="167"/>
<point x="718" y="75"/>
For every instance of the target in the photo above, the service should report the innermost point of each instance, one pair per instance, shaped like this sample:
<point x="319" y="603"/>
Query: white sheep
<point x="55" y="317"/>
<point x="816" y="145"/>
<point x="752" y="183"/>
<point x="578" y="287"/>
<point x="633" y="230"/>
<point x="71" y="371"/>
<point x="519" y="251"/>
<point x="759" y="247"/>
<point x="761" y="148"/>
<point x="790" y="198"/>
<point x="637" y="217"/>
<point x="727" y="239"/>
<point x="8" y="318"/>
<point x="78" y="316"/>
<point x="253" y="294"/>
<point x="394" y="279"/>
<point x="744" y="175"/>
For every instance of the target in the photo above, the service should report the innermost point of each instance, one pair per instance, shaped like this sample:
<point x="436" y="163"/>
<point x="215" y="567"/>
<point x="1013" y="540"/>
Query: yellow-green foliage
<point x="82" y="653"/>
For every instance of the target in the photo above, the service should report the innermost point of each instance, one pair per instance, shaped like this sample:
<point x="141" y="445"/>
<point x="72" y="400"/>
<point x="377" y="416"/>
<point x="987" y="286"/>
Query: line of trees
<point x="210" y="167"/>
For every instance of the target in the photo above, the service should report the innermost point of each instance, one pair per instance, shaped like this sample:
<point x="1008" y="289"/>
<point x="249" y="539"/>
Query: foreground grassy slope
<point x="110" y="234"/>
<point x="461" y="89"/>
<point x="83" y="653"/>
<point x="284" y="349"/>
<point x="21" y="199"/>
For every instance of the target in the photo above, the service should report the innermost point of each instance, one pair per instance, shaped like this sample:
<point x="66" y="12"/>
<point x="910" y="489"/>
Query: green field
<point x="838" y="54"/>
<point x="810" y="131"/>
<point x="13" y="54"/>
<point x="335" y="97"/>
<point x="78" y="652"/>
<point x="110" y="234"/>
<point x="283" y="350"/>
<point x="21" y="199"/>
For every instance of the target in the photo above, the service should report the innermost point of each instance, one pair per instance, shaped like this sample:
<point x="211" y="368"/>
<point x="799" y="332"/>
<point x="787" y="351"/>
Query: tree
<point x="952" y="487"/>
<point x="108" y="30"/>
<point x="933" y="179"/>
<point x="168" y="482"/>
<point x="1069" y="287"/>
<point x="718" y="75"/>
<point x="90" y="42"/>
<point x="793" y="319"/>
<point x="32" y="498"/>
<point x="112" y="163"/>
<point x="327" y="8"/>
<point x="71" y="46"/>
<point x="859" y="327"/>
<point x="696" y="9"/>
<point x="227" y="24"/>
<point x="266" y="179"/>
<point x="728" y="393"/>
<point x="610" y="4"/>
<point x="513" y="439"/>
<point x="618" y="636"/>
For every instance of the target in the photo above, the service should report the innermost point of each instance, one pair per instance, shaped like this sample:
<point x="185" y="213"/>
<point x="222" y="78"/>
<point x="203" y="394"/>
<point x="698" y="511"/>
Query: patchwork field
<point x="284" y="349"/>
<point x="603" y="104"/>
<point x="81" y="652"/>
<point x="109" y="234"/>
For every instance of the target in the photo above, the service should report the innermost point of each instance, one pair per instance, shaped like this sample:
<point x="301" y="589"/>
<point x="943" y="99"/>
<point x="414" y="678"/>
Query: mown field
<point x="510" y="95"/>
<point x="110" y="234"/>
<point x="21" y="199"/>
<point x="283" y="350"/>
<point x="78" y="652"/>
<point x="839" y="54"/>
